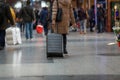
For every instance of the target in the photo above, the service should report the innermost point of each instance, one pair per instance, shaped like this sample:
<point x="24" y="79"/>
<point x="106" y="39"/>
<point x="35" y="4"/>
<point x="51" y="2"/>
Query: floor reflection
<point x="17" y="56"/>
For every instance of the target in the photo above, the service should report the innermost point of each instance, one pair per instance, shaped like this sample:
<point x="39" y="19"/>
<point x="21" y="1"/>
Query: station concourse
<point x="91" y="56"/>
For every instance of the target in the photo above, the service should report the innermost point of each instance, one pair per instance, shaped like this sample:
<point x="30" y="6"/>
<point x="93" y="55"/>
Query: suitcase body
<point x="13" y="36"/>
<point x="54" y="45"/>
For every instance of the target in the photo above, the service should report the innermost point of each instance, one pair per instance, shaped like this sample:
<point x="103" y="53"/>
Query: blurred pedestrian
<point x="28" y="17"/>
<point x="100" y="19"/>
<point x="5" y="15"/>
<point x="44" y="19"/>
<point x="36" y="11"/>
<point x="82" y="20"/>
<point x="91" y="13"/>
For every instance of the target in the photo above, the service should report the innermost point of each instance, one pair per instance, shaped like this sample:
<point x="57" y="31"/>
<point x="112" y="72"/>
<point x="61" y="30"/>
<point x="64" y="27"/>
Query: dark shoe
<point x="66" y="55"/>
<point x="98" y="32"/>
<point x="1" y="48"/>
<point x="65" y="52"/>
<point x="91" y="31"/>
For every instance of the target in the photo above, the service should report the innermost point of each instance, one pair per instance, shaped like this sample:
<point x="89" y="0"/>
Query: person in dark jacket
<point x="44" y="19"/>
<point x="6" y="16"/>
<point x="28" y="16"/>
<point x="36" y="11"/>
<point x="91" y="13"/>
<point x="100" y="19"/>
<point x="75" y="14"/>
<point x="82" y="17"/>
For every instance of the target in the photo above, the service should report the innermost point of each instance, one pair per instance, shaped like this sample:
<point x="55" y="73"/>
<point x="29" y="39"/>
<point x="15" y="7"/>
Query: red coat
<point x="68" y="15"/>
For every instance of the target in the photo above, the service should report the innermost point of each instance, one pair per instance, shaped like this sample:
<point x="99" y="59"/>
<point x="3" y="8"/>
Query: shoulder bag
<point x="59" y="13"/>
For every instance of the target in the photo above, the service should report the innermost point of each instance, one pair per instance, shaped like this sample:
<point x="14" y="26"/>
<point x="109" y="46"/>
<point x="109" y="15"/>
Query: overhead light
<point x="115" y="7"/>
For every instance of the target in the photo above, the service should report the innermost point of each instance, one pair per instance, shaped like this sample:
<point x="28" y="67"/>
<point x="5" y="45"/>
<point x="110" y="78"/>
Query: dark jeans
<point x="92" y="24"/>
<point x="2" y="38"/>
<point x="29" y="30"/>
<point x="101" y="27"/>
<point x="45" y="29"/>
<point x="64" y="42"/>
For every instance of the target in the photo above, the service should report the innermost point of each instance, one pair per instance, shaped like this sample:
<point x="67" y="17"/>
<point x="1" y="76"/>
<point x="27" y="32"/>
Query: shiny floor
<point x="91" y="57"/>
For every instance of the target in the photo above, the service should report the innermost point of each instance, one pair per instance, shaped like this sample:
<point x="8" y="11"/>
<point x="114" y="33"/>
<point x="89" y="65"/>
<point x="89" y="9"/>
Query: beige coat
<point x="63" y="26"/>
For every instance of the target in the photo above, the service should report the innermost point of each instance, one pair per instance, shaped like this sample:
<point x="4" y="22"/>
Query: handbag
<point x="39" y="29"/>
<point x="59" y="13"/>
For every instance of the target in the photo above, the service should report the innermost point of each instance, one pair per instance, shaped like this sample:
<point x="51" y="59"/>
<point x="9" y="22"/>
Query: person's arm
<point x="41" y="17"/>
<point x="54" y="11"/>
<point x="33" y="15"/>
<point x="20" y="15"/>
<point x="72" y="15"/>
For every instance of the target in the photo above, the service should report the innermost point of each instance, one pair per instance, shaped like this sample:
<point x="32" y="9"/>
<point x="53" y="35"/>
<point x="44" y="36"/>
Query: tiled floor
<point x="77" y="77"/>
<point x="91" y="57"/>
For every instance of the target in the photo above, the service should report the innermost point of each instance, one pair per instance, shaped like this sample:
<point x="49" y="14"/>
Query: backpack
<point x="2" y="13"/>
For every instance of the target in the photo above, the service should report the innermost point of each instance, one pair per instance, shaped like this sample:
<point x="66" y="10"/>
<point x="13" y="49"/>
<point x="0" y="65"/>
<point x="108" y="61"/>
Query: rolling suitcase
<point x="13" y="36"/>
<point x="54" y="44"/>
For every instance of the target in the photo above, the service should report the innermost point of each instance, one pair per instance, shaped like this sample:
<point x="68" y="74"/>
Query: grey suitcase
<point x="54" y="45"/>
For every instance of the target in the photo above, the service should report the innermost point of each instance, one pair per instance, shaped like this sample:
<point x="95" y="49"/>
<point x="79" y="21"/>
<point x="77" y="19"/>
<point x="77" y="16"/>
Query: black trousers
<point x="2" y="38"/>
<point x="64" y="41"/>
<point x="100" y="26"/>
<point x="92" y="24"/>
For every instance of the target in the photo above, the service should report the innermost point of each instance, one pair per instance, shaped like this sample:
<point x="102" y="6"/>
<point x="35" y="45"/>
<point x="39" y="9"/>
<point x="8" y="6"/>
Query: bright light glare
<point x="43" y="4"/>
<point x="111" y="43"/>
<point x="115" y="7"/>
<point x="18" y="5"/>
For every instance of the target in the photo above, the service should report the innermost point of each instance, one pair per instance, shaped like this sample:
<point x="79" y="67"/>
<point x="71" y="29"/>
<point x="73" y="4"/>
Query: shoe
<point x="84" y="33"/>
<point x="27" y="39"/>
<point x="65" y="52"/>
<point x="81" y="32"/>
<point x="66" y="55"/>
<point x="1" y="48"/>
<point x="91" y="31"/>
<point x="31" y="39"/>
<point x="98" y="32"/>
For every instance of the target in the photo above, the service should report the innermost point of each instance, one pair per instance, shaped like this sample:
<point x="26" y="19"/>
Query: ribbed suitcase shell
<point x="54" y="45"/>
